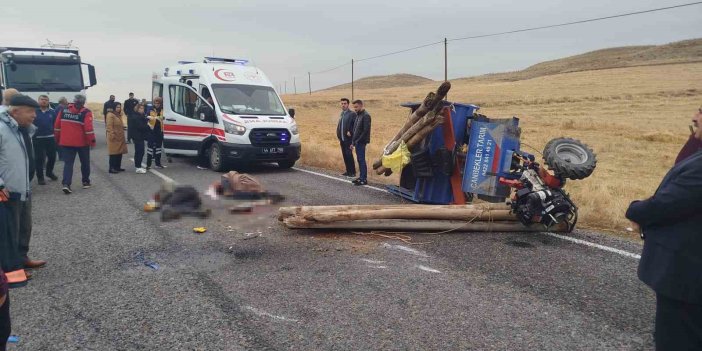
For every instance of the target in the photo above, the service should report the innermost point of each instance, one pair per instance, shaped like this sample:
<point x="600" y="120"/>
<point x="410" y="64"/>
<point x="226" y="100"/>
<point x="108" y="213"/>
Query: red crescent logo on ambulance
<point x="225" y="75"/>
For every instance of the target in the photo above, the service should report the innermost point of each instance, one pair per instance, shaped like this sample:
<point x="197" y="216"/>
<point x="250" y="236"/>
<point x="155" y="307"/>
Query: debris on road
<point x="151" y="264"/>
<point x="175" y="201"/>
<point x="199" y="230"/>
<point x="13" y="339"/>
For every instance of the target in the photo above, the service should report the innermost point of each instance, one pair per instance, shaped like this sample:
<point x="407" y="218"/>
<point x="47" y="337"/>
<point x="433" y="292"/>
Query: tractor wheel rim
<point x="571" y="153"/>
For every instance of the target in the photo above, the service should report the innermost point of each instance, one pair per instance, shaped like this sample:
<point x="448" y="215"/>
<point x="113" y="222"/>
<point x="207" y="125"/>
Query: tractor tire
<point x="570" y="158"/>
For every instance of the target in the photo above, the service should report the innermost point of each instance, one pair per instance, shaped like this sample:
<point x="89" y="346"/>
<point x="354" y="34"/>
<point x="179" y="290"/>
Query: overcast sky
<point x="128" y="40"/>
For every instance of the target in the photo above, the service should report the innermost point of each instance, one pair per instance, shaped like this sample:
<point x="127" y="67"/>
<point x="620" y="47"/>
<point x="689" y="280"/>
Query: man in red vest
<point x="74" y="133"/>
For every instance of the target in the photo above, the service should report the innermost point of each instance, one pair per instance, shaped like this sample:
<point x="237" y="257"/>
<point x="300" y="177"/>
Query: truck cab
<point x="45" y="71"/>
<point x="227" y="111"/>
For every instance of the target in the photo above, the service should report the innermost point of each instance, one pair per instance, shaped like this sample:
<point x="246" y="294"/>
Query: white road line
<point x="405" y="249"/>
<point x="597" y="246"/>
<point x="372" y="261"/>
<point x="159" y="174"/>
<point x="428" y="269"/>
<point x="567" y="238"/>
<point x="379" y="267"/>
<point x="339" y="179"/>
<point x="266" y="314"/>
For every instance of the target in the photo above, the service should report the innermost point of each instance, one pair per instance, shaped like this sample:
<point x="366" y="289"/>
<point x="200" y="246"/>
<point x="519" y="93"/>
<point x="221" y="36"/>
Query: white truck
<point x="54" y="72"/>
<point x="227" y="111"/>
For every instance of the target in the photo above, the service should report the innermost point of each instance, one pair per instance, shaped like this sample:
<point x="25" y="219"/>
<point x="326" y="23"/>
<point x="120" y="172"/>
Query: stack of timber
<point x="417" y="127"/>
<point x="422" y="218"/>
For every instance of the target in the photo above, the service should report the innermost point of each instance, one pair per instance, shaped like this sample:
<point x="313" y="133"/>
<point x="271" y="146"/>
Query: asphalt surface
<point x="229" y="289"/>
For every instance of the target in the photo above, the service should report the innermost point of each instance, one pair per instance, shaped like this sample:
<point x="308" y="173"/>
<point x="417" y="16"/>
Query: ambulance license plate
<point x="272" y="150"/>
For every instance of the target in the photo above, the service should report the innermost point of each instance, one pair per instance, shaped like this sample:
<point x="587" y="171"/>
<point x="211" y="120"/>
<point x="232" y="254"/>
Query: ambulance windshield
<point x="243" y="99"/>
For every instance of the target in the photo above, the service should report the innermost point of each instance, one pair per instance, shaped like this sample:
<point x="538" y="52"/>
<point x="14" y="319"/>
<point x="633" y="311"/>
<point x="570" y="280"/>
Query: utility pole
<point x="351" y="79"/>
<point x="309" y="81"/>
<point x="294" y="86"/>
<point x="286" y="87"/>
<point x="445" y="59"/>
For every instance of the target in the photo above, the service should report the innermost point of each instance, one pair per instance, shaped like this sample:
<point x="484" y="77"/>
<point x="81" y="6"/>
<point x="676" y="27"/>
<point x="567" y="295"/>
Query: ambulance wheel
<point x="215" y="157"/>
<point x="286" y="164"/>
<point x="570" y="158"/>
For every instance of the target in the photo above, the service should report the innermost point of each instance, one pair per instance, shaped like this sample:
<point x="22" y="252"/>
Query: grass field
<point x="636" y="119"/>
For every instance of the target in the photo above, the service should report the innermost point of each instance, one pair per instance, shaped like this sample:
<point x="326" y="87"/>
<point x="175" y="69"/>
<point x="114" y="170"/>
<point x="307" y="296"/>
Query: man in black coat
<point x="107" y="106"/>
<point x="128" y="108"/>
<point x="671" y="262"/>
<point x="344" y="131"/>
<point x="360" y="138"/>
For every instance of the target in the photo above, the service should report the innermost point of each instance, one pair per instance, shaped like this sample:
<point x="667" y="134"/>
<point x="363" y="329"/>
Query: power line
<point x="577" y="22"/>
<point x="400" y="51"/>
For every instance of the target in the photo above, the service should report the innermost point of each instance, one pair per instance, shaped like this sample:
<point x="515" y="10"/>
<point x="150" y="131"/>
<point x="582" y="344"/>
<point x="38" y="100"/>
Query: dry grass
<point x="635" y="118"/>
<point x="380" y="82"/>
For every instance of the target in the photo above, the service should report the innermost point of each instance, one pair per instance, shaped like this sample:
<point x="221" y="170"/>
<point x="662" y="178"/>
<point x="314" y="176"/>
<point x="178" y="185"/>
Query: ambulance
<point x="227" y="111"/>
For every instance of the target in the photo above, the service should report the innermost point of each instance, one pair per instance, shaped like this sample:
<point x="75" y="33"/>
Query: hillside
<point x="686" y="51"/>
<point x="381" y="82"/>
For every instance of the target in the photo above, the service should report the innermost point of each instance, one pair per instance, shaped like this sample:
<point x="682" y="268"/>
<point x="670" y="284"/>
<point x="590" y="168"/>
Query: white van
<point x="226" y="110"/>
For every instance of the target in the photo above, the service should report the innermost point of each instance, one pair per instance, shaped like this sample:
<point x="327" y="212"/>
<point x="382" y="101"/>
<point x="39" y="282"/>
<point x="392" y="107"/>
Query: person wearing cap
<point x="15" y="188"/>
<point x="74" y="133"/>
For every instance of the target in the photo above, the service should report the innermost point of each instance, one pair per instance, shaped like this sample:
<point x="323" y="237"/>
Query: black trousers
<point x="44" y="151"/>
<point x="5" y="323"/>
<point x="138" y="151"/>
<point x="20" y="213"/>
<point x="155" y="145"/>
<point x="678" y="325"/>
<point x="116" y="162"/>
<point x="347" y="153"/>
<point x="10" y="259"/>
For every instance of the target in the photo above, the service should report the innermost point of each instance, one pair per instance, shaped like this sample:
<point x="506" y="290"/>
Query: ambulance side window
<point x="156" y="91"/>
<point x="183" y="101"/>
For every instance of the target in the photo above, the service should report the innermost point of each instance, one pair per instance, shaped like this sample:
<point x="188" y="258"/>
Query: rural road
<point x="299" y="290"/>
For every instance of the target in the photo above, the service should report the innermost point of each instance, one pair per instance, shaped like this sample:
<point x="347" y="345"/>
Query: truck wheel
<point x="216" y="158"/>
<point x="286" y="164"/>
<point x="570" y="158"/>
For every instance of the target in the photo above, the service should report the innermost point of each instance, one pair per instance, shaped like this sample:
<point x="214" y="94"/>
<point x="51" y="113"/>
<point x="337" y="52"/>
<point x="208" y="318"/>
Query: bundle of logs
<point x="422" y="218"/>
<point x="418" y="126"/>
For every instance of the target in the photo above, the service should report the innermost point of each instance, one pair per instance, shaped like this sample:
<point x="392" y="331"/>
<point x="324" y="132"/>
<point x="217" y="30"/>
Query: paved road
<point x="299" y="290"/>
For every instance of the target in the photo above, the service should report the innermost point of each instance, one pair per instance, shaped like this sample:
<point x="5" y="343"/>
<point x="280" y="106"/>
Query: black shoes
<point x="52" y="177"/>
<point x="360" y="181"/>
<point x="120" y="169"/>
<point x="87" y="185"/>
<point x="113" y="171"/>
<point x="41" y="181"/>
<point x="67" y="189"/>
<point x="349" y="175"/>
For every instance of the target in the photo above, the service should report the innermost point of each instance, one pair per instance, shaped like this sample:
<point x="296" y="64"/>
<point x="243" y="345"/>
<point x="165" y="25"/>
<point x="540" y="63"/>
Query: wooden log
<point x="422" y="134"/>
<point x="401" y="213"/>
<point x="285" y="212"/>
<point x="422" y="226"/>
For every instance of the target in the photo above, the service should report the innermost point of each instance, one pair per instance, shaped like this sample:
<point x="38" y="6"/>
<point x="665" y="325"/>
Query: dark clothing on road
<point x="345" y="125"/>
<point x="362" y="128"/>
<point x="671" y="261"/>
<point x="69" y="157"/>
<point x="693" y="145"/>
<point x="347" y="153"/>
<point x="44" y="151"/>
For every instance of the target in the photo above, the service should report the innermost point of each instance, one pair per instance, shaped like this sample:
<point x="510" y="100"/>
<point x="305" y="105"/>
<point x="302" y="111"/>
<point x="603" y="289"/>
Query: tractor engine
<point x="536" y="202"/>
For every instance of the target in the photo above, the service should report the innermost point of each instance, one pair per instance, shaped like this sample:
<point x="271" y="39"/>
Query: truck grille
<point x="269" y="136"/>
